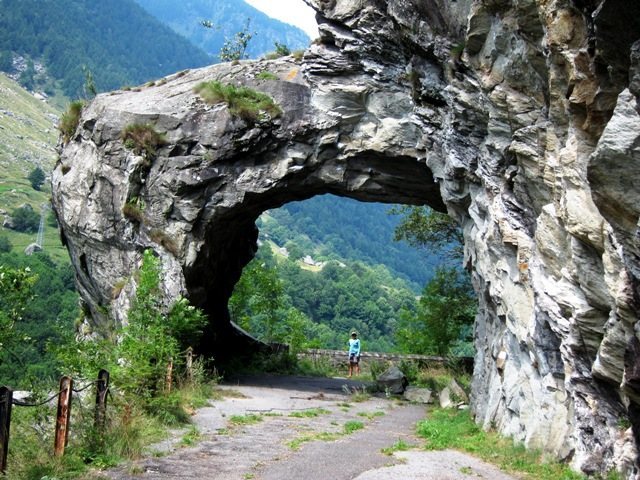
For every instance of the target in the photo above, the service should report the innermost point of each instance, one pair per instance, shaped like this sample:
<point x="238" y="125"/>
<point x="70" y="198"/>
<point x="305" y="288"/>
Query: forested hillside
<point x="285" y="300"/>
<point x="227" y="18"/>
<point x="330" y="227"/>
<point x="116" y="40"/>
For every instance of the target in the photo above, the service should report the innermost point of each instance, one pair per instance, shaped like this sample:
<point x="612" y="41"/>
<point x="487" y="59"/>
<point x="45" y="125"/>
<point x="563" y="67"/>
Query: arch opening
<point x="233" y="243"/>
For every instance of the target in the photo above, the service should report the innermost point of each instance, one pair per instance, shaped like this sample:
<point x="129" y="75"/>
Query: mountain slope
<point x="335" y="227"/>
<point x="28" y="136"/>
<point x="228" y="17"/>
<point x="117" y="40"/>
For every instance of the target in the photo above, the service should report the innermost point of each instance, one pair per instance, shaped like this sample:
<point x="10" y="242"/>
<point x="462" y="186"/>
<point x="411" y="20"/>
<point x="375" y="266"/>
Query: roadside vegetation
<point x="142" y="403"/>
<point x="455" y="429"/>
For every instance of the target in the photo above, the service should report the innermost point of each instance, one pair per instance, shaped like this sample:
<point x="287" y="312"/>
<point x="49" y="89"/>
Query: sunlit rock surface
<point x="518" y="117"/>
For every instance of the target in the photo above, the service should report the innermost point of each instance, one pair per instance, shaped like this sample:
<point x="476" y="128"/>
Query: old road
<point x="300" y="428"/>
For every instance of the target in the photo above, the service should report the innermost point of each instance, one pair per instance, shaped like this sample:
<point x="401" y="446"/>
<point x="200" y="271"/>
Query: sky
<point x="294" y="12"/>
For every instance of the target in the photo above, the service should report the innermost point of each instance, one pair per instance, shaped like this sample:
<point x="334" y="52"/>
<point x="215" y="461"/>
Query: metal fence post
<point x="62" y="416"/>
<point x="102" y="387"/>
<point x="6" y="400"/>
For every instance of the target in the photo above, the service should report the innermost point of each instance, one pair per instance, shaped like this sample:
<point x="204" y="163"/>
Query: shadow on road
<point x="295" y="382"/>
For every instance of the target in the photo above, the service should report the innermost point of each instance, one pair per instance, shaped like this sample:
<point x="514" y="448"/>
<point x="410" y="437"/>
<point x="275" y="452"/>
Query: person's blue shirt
<point x="354" y="346"/>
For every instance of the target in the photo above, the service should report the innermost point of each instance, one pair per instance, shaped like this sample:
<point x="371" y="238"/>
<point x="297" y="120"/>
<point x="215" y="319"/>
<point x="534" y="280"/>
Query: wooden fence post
<point x="189" y="365"/>
<point x="169" y="377"/>
<point x="102" y="387"/>
<point x="6" y="400"/>
<point x="63" y="415"/>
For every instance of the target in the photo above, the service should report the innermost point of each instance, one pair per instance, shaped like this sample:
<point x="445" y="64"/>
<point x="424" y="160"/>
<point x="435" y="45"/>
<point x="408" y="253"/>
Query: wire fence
<point x="64" y="396"/>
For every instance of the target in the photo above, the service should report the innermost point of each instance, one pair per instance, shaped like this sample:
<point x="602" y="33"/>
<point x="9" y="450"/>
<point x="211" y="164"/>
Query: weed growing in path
<point x="399" y="446"/>
<point x="352" y="426"/>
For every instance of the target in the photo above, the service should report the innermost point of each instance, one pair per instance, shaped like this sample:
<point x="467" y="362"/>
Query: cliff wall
<point x="517" y="117"/>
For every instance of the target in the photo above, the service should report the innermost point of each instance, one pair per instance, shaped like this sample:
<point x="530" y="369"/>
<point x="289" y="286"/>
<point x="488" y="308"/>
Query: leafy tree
<point x="52" y="307"/>
<point x="146" y="343"/>
<point x="52" y="221"/>
<point x="423" y="227"/>
<point x="5" y="244"/>
<point x="235" y="48"/>
<point x="295" y="252"/>
<point x="27" y="76"/>
<point x="6" y="61"/>
<point x="36" y="178"/>
<point x="446" y="307"/>
<point x="281" y="49"/>
<point x="90" y="89"/>
<point x="25" y="219"/>
<point x="15" y="291"/>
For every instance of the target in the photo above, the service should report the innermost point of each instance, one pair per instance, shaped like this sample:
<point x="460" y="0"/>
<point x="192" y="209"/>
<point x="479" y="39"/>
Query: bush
<point x="142" y="139"/>
<point x="70" y="120"/>
<point x="5" y="244"/>
<point x="36" y="178"/>
<point x="25" y="219"/>
<point x="243" y="102"/>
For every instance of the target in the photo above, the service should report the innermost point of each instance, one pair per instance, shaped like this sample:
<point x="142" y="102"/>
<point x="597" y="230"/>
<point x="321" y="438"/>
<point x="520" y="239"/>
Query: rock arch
<point x="510" y="115"/>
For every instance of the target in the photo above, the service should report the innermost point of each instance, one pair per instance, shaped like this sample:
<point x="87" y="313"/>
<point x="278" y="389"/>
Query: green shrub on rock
<point x="142" y="139"/>
<point x="243" y="102"/>
<point x="70" y="120"/>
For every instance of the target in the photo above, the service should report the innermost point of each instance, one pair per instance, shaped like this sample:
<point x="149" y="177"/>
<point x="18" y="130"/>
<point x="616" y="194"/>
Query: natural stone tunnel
<point x="519" y="117"/>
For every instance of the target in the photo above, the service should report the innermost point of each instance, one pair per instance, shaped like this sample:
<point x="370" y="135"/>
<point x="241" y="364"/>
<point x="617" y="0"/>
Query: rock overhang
<point x="504" y="129"/>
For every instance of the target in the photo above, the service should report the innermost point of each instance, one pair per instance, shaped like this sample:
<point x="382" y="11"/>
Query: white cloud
<point x="294" y="12"/>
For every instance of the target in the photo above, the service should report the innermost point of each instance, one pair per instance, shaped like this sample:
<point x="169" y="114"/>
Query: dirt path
<point x="301" y="435"/>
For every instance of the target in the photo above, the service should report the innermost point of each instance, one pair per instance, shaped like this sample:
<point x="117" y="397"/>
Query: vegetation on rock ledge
<point x="142" y="139"/>
<point x="242" y="101"/>
<point x="70" y="119"/>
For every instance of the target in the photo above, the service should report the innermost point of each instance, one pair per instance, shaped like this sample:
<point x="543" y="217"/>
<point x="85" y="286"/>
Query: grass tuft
<point x="142" y="139"/>
<point x="309" y="413"/>
<point x="352" y="426"/>
<point x="266" y="75"/>
<point x="399" y="446"/>
<point x="243" y="102"/>
<point x="248" y="419"/>
<point x="70" y="120"/>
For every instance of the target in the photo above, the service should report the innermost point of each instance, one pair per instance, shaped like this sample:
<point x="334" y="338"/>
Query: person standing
<point x="354" y="354"/>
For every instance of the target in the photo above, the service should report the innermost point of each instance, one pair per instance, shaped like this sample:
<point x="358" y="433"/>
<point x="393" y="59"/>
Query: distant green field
<point x="28" y="136"/>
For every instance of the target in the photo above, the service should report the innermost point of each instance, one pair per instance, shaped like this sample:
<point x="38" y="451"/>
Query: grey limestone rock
<point x="519" y="119"/>
<point x="392" y="380"/>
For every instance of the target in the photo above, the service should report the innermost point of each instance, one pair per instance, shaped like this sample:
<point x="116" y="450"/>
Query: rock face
<point x="517" y="117"/>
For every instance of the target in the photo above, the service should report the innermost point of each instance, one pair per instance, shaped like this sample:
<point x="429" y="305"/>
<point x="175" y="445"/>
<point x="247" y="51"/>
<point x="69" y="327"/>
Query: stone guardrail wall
<point x="340" y="356"/>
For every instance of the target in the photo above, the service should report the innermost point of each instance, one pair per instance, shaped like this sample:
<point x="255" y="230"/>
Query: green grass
<point x="455" y="429"/>
<point x="399" y="446"/>
<point x="70" y="120"/>
<point x="296" y="443"/>
<point x="28" y="136"/>
<point x="243" y="102"/>
<point x="142" y="139"/>
<point x="266" y="75"/>
<point x="309" y="413"/>
<point x="248" y="419"/>
<point x="371" y="415"/>
<point x="191" y="437"/>
<point x="352" y="426"/>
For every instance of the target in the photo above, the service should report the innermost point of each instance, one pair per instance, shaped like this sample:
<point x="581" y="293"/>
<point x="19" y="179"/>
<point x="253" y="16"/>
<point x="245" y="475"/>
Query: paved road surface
<point x="288" y="444"/>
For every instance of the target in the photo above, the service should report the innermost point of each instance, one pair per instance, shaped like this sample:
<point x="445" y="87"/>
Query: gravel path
<point x="301" y="435"/>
